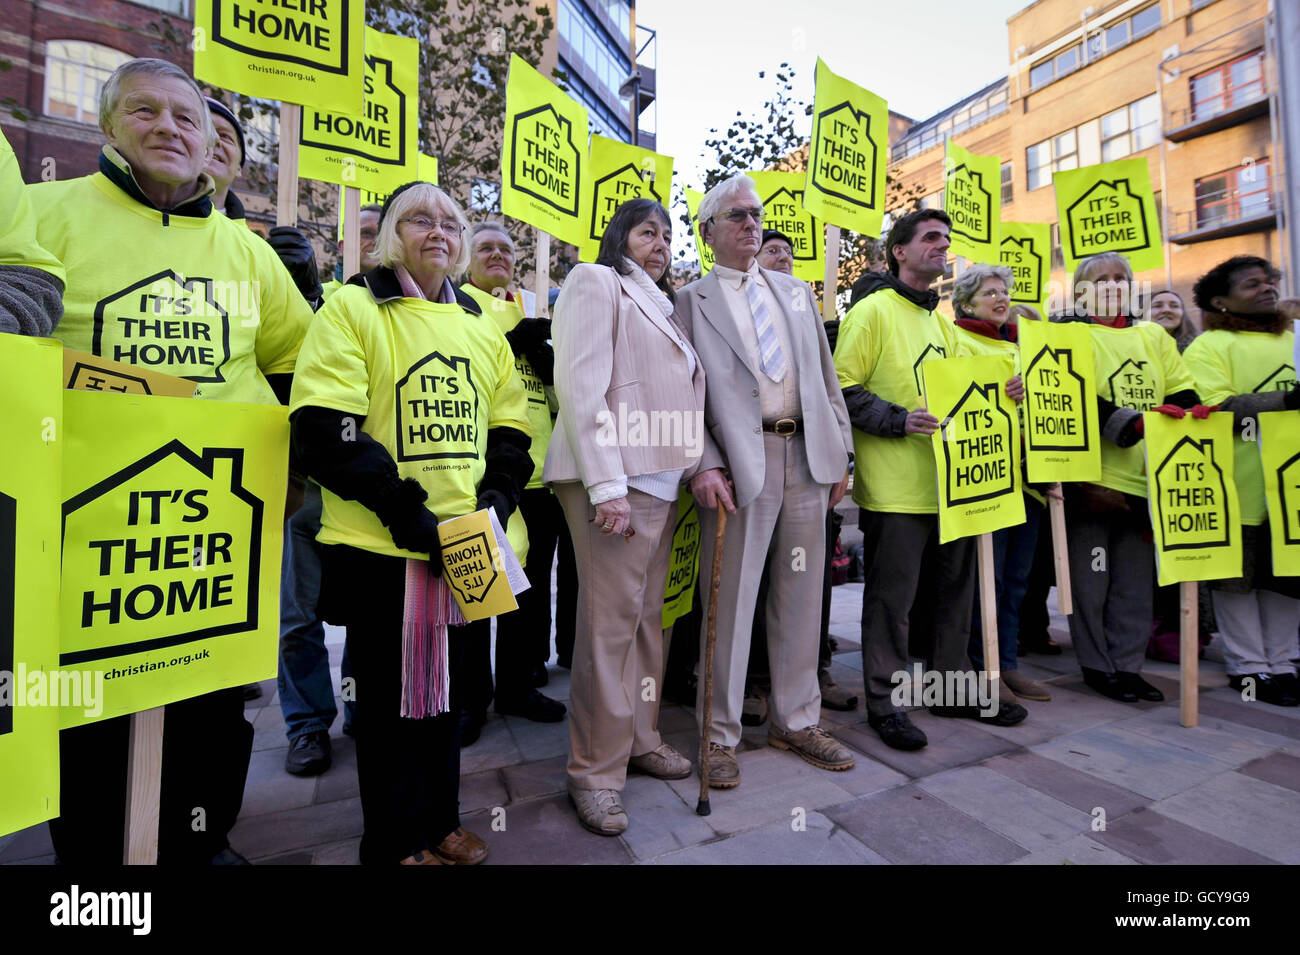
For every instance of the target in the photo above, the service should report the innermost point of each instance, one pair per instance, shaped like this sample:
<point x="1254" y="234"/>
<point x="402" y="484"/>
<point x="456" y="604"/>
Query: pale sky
<point x="919" y="56"/>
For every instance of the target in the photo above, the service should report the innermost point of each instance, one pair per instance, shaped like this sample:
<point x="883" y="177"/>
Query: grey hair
<point x="111" y="94"/>
<point x="419" y="197"/>
<point x="1089" y="267"/>
<point x="489" y="226"/>
<point x="726" y="189"/>
<point x="969" y="282"/>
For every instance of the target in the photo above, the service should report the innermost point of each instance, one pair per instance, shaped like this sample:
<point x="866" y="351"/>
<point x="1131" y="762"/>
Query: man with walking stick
<point x="776" y="450"/>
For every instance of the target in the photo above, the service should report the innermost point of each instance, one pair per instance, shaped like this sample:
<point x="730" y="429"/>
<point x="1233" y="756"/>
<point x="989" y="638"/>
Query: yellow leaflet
<point x="306" y="52"/>
<point x="683" y="562"/>
<point x="782" y="196"/>
<point x="32" y="435"/>
<point x="1279" y="448"/>
<point x="848" y="153"/>
<point x="1109" y="208"/>
<point x="972" y="197"/>
<point x="83" y="371"/>
<point x="693" y="200"/>
<point x="373" y="148"/>
<point x="619" y="172"/>
<point x="474" y="567"/>
<point x="172" y="519"/>
<point x="977" y="449"/>
<point x="1192" y="497"/>
<point x="543" y="155"/>
<point x="1062" y="437"/>
<point x="1026" y="249"/>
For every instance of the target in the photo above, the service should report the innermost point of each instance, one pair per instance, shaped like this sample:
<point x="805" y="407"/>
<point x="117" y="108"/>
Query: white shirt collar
<point x="734" y="277"/>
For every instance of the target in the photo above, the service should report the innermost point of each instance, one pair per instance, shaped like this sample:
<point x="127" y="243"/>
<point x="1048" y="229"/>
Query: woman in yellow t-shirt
<point x="407" y="410"/>
<point x="1112" y="563"/>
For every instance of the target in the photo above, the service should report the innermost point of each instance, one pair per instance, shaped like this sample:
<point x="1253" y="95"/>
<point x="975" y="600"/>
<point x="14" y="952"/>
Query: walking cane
<point x="710" y="640"/>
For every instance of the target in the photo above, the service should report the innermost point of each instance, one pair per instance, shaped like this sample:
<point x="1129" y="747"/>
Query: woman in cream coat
<point x="629" y="432"/>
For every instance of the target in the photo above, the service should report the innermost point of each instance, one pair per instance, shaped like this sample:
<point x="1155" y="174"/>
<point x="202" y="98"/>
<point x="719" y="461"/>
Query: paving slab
<point x="1245" y="811"/>
<point x="952" y="743"/>
<point x="268" y="729"/>
<point x="819" y="842"/>
<point x="544" y="831"/>
<point x="660" y="820"/>
<point x="31" y="843"/>
<point x="909" y="826"/>
<point x="1282" y="769"/>
<point x="530" y="780"/>
<point x="1079" y="850"/>
<point x="1133" y="760"/>
<point x="1274" y="719"/>
<point x="483" y="790"/>
<point x="494" y="748"/>
<point x="270" y="789"/>
<point x="538" y="740"/>
<point x="1155" y="839"/>
<point x="1026" y="816"/>
<point x="1067" y="712"/>
<point x="1070" y="786"/>
<point x="347" y="852"/>
<point x="1229" y="742"/>
<point x="275" y="833"/>
<point x="340" y="780"/>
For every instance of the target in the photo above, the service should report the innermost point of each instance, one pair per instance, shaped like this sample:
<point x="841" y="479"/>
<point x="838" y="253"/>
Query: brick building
<point x="1188" y="85"/>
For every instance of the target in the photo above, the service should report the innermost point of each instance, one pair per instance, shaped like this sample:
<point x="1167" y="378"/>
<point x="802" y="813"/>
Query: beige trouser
<point x="787" y="520"/>
<point x="619" y="645"/>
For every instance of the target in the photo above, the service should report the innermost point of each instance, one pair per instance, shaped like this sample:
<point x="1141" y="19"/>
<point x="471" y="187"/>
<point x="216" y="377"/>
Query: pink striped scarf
<point x="429" y="608"/>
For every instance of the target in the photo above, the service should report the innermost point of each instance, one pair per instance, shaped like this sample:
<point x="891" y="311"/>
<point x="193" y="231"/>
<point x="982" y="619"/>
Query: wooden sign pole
<point x="1060" y="556"/>
<point x="1189" y="649"/>
<point x="351" y="231"/>
<point x="830" y="285"/>
<point x="989" y="612"/>
<point x="286" y="188"/>
<point x="143" y="787"/>
<point x="542" y="278"/>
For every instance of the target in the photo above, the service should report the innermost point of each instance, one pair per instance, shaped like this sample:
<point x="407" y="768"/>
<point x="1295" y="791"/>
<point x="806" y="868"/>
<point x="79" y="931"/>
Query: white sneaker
<point x="599" y="810"/>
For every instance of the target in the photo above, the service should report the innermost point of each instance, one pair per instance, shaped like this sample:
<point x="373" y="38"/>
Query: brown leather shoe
<point x="423" y="857"/>
<point x="1024" y="687"/>
<point x="814" y="745"/>
<point x="724" y="771"/>
<point x="462" y="847"/>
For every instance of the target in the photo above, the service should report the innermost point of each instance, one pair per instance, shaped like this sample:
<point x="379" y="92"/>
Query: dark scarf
<point x="1275" y="323"/>
<point x="874" y="282"/>
<point x="200" y="207"/>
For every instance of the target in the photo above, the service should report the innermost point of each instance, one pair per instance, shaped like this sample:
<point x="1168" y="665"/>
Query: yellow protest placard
<point x="1026" y="249"/>
<point x="374" y="148"/>
<point x="1062" y="436"/>
<point x="296" y="51"/>
<point x="30" y="468"/>
<point x="848" y="152"/>
<point x="173" y="511"/>
<point x="543" y="155"/>
<point x="1109" y="208"/>
<point x="972" y="197"/>
<point x="683" y="562"/>
<point x="1192" y="497"/>
<point x="1279" y="449"/>
<point x="83" y="371"/>
<point x="475" y="567"/>
<point x="693" y="200"/>
<point x="977" y="448"/>
<point x="619" y="172"/>
<point x="782" y="194"/>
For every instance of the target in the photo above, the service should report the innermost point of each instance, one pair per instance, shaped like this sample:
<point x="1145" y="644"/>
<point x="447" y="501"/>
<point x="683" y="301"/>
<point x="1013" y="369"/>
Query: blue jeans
<point x="1013" y="557"/>
<point x="306" y="691"/>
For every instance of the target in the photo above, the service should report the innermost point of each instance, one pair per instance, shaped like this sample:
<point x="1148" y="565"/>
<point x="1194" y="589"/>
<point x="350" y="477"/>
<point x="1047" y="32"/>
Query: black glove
<point x="299" y="258"/>
<point x="832" y="329"/>
<point x="498" y="502"/>
<point x="1291" y="401"/>
<point x="414" y="527"/>
<point x="528" y="339"/>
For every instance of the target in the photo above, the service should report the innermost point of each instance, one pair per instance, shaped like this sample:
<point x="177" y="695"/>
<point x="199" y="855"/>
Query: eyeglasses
<point x="449" y="227"/>
<point x="740" y="215"/>
<point x="993" y="293"/>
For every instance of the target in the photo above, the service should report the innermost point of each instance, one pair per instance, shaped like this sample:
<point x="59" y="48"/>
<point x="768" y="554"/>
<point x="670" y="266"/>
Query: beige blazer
<point x="735" y="424"/>
<point x="629" y="404"/>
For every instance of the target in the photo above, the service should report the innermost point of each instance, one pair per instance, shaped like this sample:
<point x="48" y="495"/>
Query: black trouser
<point x="1034" y="617"/>
<point x="524" y="636"/>
<point x="206" y="747"/>
<point x="408" y="769"/>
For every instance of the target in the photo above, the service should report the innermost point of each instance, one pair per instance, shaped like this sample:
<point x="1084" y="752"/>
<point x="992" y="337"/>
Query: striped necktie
<point x="770" y="355"/>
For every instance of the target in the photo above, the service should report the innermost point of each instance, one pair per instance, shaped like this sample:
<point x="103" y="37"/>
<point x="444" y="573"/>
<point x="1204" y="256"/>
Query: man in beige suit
<point x="776" y="451"/>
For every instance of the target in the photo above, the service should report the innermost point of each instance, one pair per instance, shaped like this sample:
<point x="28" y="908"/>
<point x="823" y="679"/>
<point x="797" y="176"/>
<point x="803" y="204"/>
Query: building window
<point x="1130" y="128"/>
<point x="179" y="7"/>
<point x="951" y="124"/>
<point x="1104" y="41"/>
<point x="75" y="72"/>
<point x="1228" y="86"/>
<point x="1238" y="193"/>
<point x="593" y="47"/>
<point x="1046" y="72"/>
<point x="1049" y="156"/>
<point x="1007" y="191"/>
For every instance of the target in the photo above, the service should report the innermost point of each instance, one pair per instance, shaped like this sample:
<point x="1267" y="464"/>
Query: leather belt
<point x="785" y="427"/>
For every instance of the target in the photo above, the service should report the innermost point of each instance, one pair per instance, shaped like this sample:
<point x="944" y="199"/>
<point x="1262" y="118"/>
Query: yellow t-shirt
<point x="506" y="315"/>
<point x="1242" y="363"/>
<point x="199" y="298"/>
<point x="18" y="244"/>
<point x="882" y="344"/>
<point x="431" y="380"/>
<point x="1136" y="367"/>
